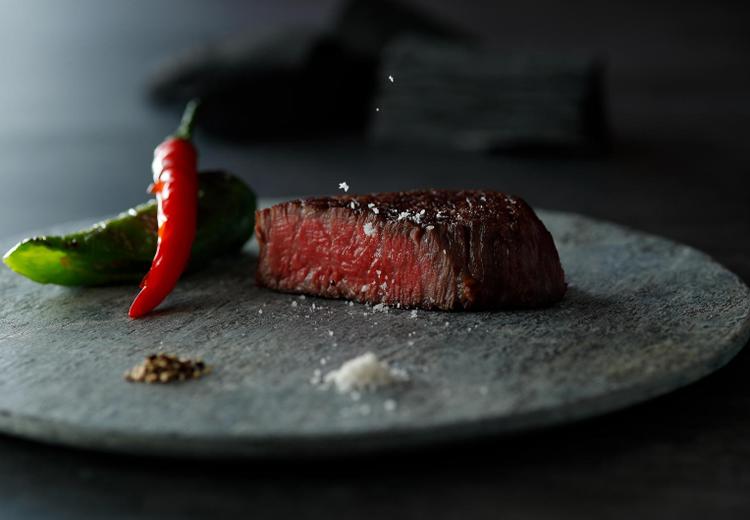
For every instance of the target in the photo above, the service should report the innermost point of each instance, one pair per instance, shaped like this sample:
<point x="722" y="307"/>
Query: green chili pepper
<point x="120" y="250"/>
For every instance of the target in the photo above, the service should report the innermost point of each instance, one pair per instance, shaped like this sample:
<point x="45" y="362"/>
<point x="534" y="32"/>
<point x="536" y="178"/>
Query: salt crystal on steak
<point x="369" y="229"/>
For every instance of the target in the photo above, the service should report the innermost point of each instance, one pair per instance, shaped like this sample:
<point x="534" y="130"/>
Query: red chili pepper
<point x="175" y="185"/>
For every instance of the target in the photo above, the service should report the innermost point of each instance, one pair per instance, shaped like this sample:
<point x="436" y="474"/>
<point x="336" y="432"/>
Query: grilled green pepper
<point x="120" y="250"/>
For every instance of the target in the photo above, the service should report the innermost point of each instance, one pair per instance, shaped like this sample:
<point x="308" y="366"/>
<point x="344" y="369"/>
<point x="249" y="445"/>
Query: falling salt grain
<point x="330" y="333"/>
<point x="344" y="186"/>
<point x="260" y="311"/>
<point x="389" y="405"/>
<point x="390" y="78"/>
<point x="294" y="304"/>
<point x="413" y="314"/>
<point x="377" y="109"/>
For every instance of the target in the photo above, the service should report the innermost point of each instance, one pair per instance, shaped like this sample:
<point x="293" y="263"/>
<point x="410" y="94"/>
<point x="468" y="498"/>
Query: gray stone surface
<point x="643" y="316"/>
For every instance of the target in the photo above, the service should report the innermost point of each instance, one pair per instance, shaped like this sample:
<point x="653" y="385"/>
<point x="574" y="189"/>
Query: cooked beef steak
<point x="432" y="249"/>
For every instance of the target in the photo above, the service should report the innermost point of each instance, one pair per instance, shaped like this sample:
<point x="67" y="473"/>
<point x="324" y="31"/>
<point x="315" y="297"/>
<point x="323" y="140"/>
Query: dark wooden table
<point x="75" y="141"/>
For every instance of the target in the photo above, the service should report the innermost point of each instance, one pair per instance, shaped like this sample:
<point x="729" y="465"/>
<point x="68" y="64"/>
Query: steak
<point x="430" y="249"/>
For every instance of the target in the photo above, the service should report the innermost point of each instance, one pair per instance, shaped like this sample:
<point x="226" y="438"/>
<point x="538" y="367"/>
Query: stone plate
<point x="643" y="316"/>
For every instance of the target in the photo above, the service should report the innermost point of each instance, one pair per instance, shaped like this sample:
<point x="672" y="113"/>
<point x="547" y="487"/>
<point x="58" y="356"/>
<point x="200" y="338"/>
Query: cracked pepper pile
<point x="166" y="368"/>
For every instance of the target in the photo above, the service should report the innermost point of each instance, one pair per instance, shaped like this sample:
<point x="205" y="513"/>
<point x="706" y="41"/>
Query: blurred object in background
<point x="476" y="99"/>
<point x="293" y="84"/>
<point x="303" y="82"/>
<point x="298" y="82"/>
<point x="367" y="26"/>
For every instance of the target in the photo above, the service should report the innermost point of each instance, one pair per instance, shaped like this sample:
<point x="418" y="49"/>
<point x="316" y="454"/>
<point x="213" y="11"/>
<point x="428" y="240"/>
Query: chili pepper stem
<point x="185" y="130"/>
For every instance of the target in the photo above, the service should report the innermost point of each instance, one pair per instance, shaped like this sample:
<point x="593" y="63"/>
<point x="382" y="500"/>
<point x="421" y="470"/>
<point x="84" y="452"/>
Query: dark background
<point x="76" y="138"/>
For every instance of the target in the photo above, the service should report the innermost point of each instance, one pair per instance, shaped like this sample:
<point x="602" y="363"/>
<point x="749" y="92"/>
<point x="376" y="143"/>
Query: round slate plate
<point x="643" y="316"/>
